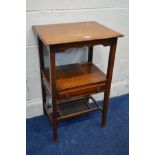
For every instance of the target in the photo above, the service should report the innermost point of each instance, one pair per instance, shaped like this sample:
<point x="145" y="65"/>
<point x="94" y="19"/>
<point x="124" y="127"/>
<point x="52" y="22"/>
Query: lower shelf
<point x="70" y="109"/>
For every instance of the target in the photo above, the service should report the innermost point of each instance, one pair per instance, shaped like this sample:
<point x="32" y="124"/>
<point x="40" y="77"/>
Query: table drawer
<point x="82" y="91"/>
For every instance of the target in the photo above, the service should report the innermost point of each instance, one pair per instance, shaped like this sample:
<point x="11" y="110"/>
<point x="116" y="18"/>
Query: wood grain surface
<point x="73" y="32"/>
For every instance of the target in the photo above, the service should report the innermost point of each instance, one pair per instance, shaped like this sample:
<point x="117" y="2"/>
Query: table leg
<point x="90" y="54"/>
<point x="52" y="74"/>
<point x="90" y="59"/>
<point x="109" y="79"/>
<point x="41" y="62"/>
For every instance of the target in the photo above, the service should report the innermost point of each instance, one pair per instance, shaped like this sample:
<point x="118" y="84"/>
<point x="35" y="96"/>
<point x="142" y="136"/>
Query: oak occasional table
<point x="71" y="86"/>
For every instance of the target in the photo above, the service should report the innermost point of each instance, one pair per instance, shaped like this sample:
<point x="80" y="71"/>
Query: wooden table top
<point x="73" y="32"/>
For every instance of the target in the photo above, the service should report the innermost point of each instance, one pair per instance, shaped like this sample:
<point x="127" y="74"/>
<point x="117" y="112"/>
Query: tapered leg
<point x="109" y="79"/>
<point x="90" y="54"/>
<point x="53" y="91"/>
<point x="90" y="59"/>
<point x="44" y="99"/>
<point x="54" y="126"/>
<point x="41" y="61"/>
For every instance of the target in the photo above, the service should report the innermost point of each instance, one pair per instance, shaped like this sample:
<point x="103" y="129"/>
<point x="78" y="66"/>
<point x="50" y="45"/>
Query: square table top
<point x="52" y="34"/>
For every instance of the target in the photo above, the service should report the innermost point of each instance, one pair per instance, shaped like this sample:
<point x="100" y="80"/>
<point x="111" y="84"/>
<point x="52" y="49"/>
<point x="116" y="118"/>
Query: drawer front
<point x="77" y="92"/>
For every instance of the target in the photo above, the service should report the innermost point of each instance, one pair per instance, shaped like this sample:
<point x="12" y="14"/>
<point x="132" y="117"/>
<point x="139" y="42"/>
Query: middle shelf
<point x="75" y="80"/>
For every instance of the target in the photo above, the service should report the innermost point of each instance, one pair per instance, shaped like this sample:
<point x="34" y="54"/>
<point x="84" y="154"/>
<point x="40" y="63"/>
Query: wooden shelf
<point x="76" y="79"/>
<point x="74" y="108"/>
